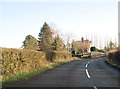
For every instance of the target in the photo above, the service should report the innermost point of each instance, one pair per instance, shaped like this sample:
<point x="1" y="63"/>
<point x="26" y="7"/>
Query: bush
<point x="93" y="49"/>
<point x="52" y="55"/>
<point x="17" y="61"/>
<point x="119" y="48"/>
<point x="114" y="58"/>
<point x="61" y="55"/>
<point x="73" y="52"/>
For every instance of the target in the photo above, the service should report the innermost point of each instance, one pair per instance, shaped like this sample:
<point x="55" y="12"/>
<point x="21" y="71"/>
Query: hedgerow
<point x="55" y="55"/>
<point x="61" y="55"/>
<point x="16" y="61"/>
<point x="114" y="58"/>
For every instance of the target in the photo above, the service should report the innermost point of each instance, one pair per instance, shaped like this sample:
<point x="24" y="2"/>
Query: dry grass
<point x="70" y="59"/>
<point x="113" y="51"/>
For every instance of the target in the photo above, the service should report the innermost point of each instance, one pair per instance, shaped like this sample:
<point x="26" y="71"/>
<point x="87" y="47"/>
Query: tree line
<point x="46" y="40"/>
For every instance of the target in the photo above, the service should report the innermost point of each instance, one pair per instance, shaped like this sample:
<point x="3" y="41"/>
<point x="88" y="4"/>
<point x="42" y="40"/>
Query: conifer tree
<point x="59" y="44"/>
<point x="30" y="43"/>
<point x="45" y="37"/>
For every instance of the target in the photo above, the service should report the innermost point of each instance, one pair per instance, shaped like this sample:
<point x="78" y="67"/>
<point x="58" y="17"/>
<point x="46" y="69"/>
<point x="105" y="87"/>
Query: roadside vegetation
<point x="114" y="58"/>
<point x="19" y="64"/>
<point x="94" y="49"/>
<point x="39" y="55"/>
<point x="36" y="56"/>
<point x="113" y="54"/>
<point x="97" y="53"/>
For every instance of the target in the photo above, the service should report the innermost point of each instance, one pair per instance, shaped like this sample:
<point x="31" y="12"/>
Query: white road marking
<point x="87" y="73"/>
<point x="95" y="87"/>
<point x="86" y="65"/>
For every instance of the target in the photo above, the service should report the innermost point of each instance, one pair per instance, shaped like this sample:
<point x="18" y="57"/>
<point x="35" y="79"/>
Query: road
<point x="88" y="73"/>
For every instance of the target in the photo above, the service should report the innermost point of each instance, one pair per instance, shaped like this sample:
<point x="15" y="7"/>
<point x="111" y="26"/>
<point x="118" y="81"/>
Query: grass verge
<point x="94" y="57"/>
<point x="12" y="79"/>
<point x="112" y="64"/>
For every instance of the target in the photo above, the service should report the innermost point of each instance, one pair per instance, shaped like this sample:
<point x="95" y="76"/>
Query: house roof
<point x="82" y="44"/>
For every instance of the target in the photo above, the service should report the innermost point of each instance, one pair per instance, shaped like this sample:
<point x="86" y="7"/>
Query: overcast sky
<point x="96" y="20"/>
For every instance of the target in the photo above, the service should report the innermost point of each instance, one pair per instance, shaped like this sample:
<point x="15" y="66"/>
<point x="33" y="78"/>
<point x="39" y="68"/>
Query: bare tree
<point x="54" y="29"/>
<point x="68" y="37"/>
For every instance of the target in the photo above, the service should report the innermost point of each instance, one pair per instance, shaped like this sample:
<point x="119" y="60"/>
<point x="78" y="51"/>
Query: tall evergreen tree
<point x="45" y="37"/>
<point x="59" y="44"/>
<point x="30" y="43"/>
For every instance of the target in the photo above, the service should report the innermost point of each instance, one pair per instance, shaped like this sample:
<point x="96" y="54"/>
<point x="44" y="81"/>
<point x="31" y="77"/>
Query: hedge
<point x="114" y="58"/>
<point x="55" y="55"/>
<point x="16" y="61"/>
<point x="61" y="55"/>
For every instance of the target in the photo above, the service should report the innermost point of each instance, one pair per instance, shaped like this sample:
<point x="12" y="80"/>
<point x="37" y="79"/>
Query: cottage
<point x="82" y="46"/>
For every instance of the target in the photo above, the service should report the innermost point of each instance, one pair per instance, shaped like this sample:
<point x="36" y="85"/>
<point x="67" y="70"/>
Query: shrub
<point x="61" y="55"/>
<point x="119" y="48"/>
<point x="114" y="57"/>
<point x="17" y="60"/>
<point x="93" y="49"/>
<point x="73" y="52"/>
<point x="52" y="55"/>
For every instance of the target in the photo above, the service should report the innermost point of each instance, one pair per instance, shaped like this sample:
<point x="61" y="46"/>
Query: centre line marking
<point x="87" y="73"/>
<point x="95" y="87"/>
<point x="86" y="65"/>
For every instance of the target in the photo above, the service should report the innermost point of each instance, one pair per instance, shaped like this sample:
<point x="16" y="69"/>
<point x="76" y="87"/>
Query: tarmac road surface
<point x="88" y="73"/>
